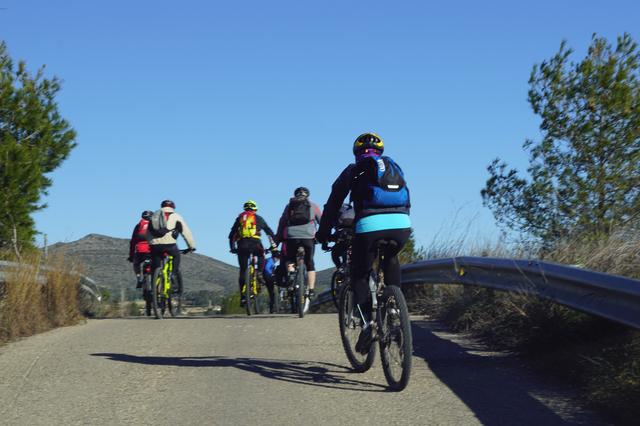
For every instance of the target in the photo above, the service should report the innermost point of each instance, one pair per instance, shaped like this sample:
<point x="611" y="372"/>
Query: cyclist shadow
<point x="493" y="385"/>
<point x="309" y="373"/>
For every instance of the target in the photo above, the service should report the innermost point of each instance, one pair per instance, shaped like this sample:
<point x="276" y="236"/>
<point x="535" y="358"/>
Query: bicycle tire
<point x="395" y="330"/>
<point x="155" y="300"/>
<point x="146" y="294"/>
<point x="300" y="290"/>
<point x="350" y="327"/>
<point x="247" y="290"/>
<point x="175" y="299"/>
<point x="335" y="288"/>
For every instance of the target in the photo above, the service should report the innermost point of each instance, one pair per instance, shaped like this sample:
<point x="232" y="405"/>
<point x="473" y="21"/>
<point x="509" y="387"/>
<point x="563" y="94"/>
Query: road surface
<point x="272" y="370"/>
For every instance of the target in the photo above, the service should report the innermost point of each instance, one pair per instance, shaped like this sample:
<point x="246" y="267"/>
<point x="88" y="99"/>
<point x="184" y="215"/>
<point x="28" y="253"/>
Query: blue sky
<point x="211" y="103"/>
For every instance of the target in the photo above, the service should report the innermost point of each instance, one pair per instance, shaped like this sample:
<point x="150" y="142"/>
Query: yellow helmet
<point x="367" y="141"/>
<point x="251" y="205"/>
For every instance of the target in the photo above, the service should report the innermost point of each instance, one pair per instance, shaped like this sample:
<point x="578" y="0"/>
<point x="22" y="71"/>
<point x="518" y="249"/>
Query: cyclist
<point x="245" y="240"/>
<point x="382" y="204"/>
<point x="139" y="249"/>
<point x="164" y="228"/>
<point x="343" y="229"/>
<point x="297" y="228"/>
<point x="271" y="277"/>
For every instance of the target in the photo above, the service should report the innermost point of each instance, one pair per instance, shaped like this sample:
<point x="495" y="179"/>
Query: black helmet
<point x="301" y="192"/>
<point x="367" y="141"/>
<point x="147" y="214"/>
<point x="251" y="205"/>
<point x="168" y="203"/>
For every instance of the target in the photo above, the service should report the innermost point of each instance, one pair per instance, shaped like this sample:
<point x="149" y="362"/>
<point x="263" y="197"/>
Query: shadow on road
<point x="319" y="374"/>
<point x="493" y="387"/>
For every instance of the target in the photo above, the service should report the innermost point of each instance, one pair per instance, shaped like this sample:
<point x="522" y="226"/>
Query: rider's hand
<point x="325" y="247"/>
<point x="130" y="259"/>
<point x="233" y="250"/>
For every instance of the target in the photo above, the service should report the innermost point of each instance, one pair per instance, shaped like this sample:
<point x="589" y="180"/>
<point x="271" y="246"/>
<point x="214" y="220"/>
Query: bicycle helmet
<point x="168" y="203"/>
<point x="367" y="141"/>
<point x="147" y="214"/>
<point x="301" y="192"/>
<point x="251" y="205"/>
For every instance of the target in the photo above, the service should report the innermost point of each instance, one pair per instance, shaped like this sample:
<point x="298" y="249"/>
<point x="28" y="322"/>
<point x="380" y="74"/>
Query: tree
<point x="411" y="252"/>
<point x="584" y="173"/>
<point x="34" y="141"/>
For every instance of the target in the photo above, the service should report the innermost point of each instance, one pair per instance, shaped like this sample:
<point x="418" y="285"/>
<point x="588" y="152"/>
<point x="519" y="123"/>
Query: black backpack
<point x="299" y="211"/>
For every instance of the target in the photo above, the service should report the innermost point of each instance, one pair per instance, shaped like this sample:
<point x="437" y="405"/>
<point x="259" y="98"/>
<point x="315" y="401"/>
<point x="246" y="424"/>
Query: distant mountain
<point x="105" y="260"/>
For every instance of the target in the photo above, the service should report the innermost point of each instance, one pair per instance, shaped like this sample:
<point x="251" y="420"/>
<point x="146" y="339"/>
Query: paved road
<point x="259" y="371"/>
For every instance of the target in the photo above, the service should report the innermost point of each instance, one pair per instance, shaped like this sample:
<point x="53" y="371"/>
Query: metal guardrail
<point x="87" y="285"/>
<point x="609" y="296"/>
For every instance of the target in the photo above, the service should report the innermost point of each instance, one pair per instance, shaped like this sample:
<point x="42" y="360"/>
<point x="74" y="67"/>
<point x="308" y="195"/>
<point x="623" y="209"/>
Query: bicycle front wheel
<point x="350" y="329"/>
<point x="396" y="340"/>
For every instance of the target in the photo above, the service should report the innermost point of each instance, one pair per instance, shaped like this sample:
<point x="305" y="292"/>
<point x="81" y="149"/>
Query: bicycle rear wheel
<point x="248" y="276"/>
<point x="146" y="294"/>
<point x="300" y="273"/>
<point x="350" y="328"/>
<point x="156" y="291"/>
<point x="396" y="340"/>
<point x="175" y="298"/>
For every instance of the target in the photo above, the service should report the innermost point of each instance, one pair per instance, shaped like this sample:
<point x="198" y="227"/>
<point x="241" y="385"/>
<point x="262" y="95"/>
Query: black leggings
<point x="247" y="247"/>
<point x="291" y="249"/>
<point x="364" y="254"/>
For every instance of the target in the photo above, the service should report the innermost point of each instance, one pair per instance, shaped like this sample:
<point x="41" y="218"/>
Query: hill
<point x="105" y="260"/>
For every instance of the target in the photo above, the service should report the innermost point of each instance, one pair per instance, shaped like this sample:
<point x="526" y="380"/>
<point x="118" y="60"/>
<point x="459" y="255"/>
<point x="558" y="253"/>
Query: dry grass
<point x="598" y="356"/>
<point x="38" y="296"/>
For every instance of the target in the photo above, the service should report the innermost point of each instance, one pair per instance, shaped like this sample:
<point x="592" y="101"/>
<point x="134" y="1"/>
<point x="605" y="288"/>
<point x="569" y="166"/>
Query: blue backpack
<point x="388" y="188"/>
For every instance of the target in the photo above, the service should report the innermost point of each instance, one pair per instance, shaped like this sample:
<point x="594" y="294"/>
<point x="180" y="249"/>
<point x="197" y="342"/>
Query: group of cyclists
<point x="378" y="209"/>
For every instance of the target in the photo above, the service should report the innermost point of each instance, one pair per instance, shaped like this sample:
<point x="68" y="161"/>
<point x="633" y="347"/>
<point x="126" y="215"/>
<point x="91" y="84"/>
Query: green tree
<point x="34" y="141"/>
<point x="411" y="252"/>
<point x="584" y="173"/>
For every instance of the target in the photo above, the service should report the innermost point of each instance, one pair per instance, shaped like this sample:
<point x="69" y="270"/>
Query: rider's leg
<point x="175" y="252"/>
<point x="391" y="264"/>
<point x="137" y="261"/>
<point x="309" y="251"/>
<point x="243" y="258"/>
<point x="270" y="287"/>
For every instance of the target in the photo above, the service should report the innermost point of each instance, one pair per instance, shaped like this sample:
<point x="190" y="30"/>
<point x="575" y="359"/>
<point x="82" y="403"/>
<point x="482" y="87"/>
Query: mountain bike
<point x="251" y="288"/>
<point x="145" y="273"/>
<point x="342" y="275"/>
<point x="391" y="328"/>
<point x="165" y="292"/>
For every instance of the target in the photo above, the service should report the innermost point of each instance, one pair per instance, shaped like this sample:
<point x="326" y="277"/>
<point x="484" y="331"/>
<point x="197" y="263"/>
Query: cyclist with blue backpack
<point x="381" y="201"/>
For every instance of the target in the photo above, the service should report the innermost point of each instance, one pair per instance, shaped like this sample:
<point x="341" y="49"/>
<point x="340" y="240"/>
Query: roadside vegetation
<point x="578" y="204"/>
<point x="34" y="141"/>
<point x="37" y="296"/>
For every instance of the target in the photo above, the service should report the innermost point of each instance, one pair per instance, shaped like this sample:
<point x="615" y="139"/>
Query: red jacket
<point x="139" y="242"/>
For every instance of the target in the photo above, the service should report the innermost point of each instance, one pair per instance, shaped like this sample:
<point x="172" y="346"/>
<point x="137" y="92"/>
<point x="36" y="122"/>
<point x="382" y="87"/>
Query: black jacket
<point x="354" y="179"/>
